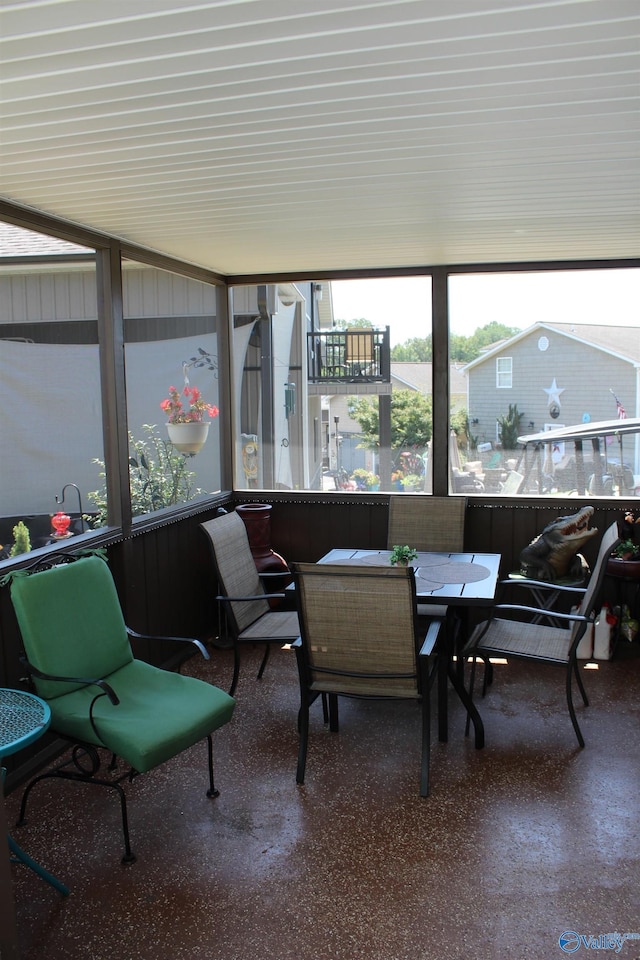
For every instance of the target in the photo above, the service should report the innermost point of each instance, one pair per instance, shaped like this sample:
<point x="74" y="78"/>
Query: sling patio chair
<point x="360" y="638"/>
<point x="427" y="523"/>
<point x="249" y="617"/>
<point x="434" y="524"/>
<point x="80" y="661"/>
<point x="512" y="636"/>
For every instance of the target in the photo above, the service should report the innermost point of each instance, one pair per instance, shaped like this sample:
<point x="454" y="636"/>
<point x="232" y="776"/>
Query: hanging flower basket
<point x="188" y="438"/>
<point x="186" y="427"/>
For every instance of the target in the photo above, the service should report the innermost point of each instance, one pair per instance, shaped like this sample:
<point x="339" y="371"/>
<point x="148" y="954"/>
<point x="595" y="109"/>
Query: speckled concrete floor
<point x="517" y="843"/>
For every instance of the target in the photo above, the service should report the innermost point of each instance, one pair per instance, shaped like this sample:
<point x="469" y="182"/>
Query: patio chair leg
<point x="325" y="708"/>
<point x="333" y="713"/>
<point x="572" y="712"/>
<point x="267" y="651"/>
<point x="236" y="668"/>
<point x="129" y="856"/>
<point x="303" y="727"/>
<point x="581" y="688"/>
<point x="472" y="677"/>
<point x="426" y="742"/>
<point x="211" y="792"/>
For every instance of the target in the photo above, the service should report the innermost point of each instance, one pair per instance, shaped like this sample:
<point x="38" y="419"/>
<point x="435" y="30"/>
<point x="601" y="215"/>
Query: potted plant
<point x="365" y="479"/>
<point x="625" y="558"/>
<point x="402" y="555"/>
<point x="187" y="426"/>
<point x="396" y="480"/>
<point x="412" y="482"/>
<point x="21" y="539"/>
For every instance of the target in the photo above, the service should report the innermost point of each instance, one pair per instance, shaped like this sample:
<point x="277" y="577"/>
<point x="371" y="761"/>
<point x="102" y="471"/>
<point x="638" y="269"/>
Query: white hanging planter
<point x="189" y="437"/>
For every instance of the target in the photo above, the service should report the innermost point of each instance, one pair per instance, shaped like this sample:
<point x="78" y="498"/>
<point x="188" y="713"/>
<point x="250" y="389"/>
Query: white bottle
<point x="585" y="647"/>
<point x="603" y="635"/>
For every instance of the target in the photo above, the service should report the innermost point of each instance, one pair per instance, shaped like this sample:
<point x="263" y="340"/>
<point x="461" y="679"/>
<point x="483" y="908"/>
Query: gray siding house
<point x="557" y="374"/>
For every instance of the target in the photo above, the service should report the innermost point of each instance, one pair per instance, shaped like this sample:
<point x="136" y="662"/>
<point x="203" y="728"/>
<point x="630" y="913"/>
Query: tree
<point x="360" y="323"/>
<point x="461" y="349"/>
<point x="411" y="420"/>
<point x="416" y="350"/>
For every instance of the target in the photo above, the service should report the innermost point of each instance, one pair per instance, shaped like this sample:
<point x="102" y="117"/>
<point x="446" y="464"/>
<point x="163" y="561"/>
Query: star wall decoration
<point x="553" y="393"/>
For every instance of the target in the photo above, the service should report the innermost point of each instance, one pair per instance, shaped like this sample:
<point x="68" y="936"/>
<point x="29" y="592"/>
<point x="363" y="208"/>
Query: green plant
<point x="158" y="477"/>
<point x="402" y="555"/>
<point x="412" y="481"/>
<point x="627" y="550"/>
<point x="365" y="479"/>
<point x="510" y="427"/>
<point x="21" y="539"/>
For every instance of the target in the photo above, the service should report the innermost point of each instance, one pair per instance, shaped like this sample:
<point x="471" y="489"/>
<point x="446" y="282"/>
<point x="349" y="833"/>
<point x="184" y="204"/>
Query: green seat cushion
<point x="160" y="714"/>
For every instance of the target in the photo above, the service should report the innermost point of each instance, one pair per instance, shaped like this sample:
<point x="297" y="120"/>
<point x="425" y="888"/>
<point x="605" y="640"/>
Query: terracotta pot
<point x="257" y="520"/>
<point x="627" y="569"/>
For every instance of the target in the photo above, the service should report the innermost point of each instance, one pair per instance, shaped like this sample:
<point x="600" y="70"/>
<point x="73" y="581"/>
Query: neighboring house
<point x="557" y="374"/>
<point x="419" y="377"/>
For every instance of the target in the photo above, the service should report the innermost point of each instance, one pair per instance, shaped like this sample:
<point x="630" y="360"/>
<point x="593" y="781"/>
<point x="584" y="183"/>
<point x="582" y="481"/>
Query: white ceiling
<point x="255" y="136"/>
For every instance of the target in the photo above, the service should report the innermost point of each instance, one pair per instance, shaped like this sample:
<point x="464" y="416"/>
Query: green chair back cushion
<point x="71" y="623"/>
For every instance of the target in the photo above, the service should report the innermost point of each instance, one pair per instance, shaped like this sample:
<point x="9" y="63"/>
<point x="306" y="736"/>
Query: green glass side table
<point x="23" y="719"/>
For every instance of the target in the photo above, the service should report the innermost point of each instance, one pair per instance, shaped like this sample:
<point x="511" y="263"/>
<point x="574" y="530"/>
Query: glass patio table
<point x="459" y="581"/>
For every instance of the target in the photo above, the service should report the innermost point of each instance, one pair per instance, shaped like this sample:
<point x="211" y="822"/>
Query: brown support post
<point x="440" y="341"/>
<point x="114" y="391"/>
<point x="384" y="421"/>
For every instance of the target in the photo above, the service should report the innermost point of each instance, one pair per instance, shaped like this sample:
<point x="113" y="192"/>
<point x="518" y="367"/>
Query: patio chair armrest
<point x="104" y="686"/>
<point x="431" y="637"/>
<point x="146" y="636"/>
<point x="541" y="585"/>
<point x="541" y="611"/>
<point x="256" y="596"/>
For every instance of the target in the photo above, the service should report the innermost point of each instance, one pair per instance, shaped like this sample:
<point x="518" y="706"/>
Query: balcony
<point x="349" y="356"/>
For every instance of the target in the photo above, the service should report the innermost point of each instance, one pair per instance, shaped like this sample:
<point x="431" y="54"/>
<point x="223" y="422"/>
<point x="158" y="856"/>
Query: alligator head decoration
<point x="555" y="552"/>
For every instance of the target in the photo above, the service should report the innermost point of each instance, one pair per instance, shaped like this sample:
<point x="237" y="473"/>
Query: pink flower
<point x="173" y="406"/>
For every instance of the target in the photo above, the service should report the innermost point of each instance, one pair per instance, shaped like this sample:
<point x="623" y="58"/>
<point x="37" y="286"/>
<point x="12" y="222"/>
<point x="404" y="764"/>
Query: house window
<point x="504" y="373"/>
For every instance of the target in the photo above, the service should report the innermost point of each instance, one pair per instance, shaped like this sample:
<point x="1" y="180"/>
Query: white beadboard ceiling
<point x="255" y="136"/>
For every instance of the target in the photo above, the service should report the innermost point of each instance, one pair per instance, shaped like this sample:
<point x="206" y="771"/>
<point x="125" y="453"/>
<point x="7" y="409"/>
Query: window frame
<point x="504" y="374"/>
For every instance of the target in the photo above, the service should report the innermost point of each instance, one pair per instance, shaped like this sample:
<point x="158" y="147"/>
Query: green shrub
<point x="158" y="477"/>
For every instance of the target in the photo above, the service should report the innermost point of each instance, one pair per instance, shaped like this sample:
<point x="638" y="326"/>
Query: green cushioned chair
<point x="79" y="657"/>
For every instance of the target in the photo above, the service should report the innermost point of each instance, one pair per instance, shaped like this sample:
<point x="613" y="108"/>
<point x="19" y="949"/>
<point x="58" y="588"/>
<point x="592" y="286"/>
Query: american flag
<point x="622" y="413"/>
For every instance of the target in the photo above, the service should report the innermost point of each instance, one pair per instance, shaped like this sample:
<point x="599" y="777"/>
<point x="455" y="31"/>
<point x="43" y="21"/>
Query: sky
<point x="517" y="300"/>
